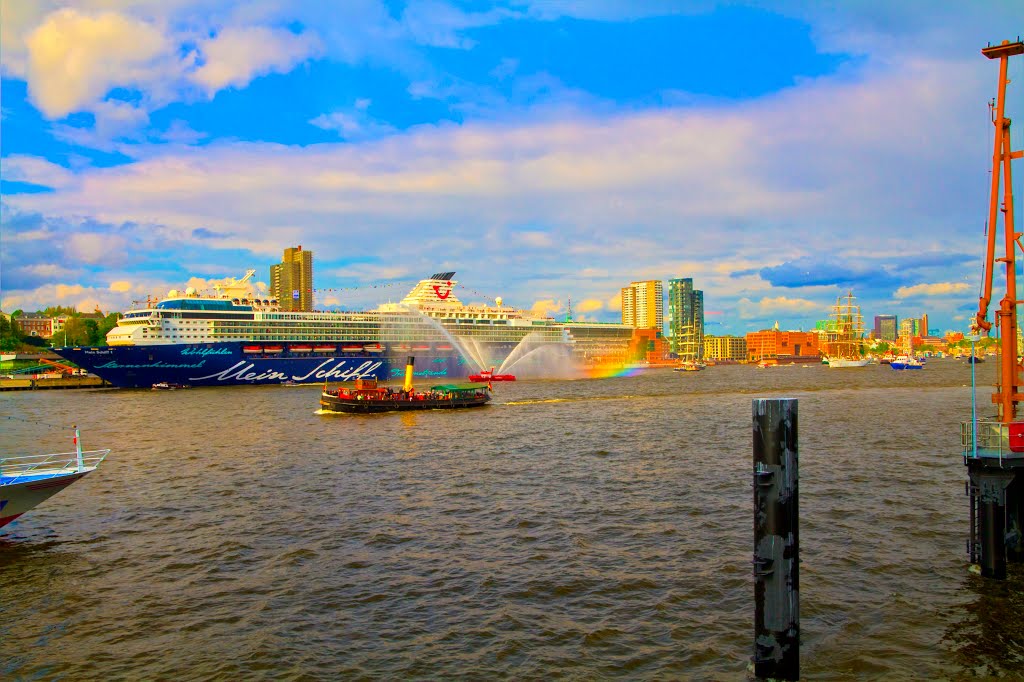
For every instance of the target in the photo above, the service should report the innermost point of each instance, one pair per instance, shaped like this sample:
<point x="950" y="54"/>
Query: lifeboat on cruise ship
<point x="373" y="348"/>
<point x="273" y="349"/>
<point x="252" y="349"/>
<point x="444" y="347"/>
<point x="422" y="346"/>
<point x="348" y="348"/>
<point x="300" y="349"/>
<point x="325" y="349"/>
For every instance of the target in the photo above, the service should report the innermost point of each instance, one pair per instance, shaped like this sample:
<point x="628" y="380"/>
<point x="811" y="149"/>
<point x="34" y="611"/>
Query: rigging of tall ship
<point x="237" y="336"/>
<point x="845" y="344"/>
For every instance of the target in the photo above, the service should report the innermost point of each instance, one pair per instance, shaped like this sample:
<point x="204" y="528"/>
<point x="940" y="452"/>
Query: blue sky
<point x="779" y="153"/>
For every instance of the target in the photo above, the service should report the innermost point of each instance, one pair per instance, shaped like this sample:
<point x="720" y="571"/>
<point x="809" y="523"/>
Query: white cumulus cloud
<point x="938" y="289"/>
<point x="121" y="286"/>
<point x="75" y="59"/>
<point x="236" y="55"/>
<point x="590" y="305"/>
<point x="776" y="305"/>
<point x="546" y="307"/>
<point x="88" y="247"/>
<point x="35" y="171"/>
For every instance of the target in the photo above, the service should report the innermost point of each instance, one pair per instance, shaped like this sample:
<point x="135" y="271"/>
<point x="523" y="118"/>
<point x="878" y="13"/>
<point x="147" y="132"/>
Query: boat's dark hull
<point x="226" y="363"/>
<point x="23" y="495"/>
<point x="332" y="403"/>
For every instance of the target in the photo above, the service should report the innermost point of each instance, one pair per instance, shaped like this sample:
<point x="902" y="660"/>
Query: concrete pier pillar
<point x="776" y="540"/>
<point x="990" y="502"/>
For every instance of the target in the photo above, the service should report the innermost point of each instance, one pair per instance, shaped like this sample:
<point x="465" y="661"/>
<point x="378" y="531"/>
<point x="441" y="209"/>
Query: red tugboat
<point x="489" y="375"/>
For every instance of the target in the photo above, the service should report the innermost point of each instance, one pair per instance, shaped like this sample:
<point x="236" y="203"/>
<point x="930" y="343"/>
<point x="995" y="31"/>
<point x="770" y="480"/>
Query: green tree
<point x="104" y="326"/>
<point x="8" y="339"/>
<point x="12" y="338"/>
<point x="76" y="333"/>
<point x="59" y="311"/>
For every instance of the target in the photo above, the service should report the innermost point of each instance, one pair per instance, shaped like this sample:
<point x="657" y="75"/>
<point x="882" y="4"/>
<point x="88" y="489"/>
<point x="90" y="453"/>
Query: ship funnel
<point x="408" y="373"/>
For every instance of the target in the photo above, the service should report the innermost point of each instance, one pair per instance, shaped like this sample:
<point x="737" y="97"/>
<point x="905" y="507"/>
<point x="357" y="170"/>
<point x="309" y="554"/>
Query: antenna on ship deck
<point x="568" y="316"/>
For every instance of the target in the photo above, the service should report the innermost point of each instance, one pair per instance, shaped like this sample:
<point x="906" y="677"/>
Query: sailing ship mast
<point x="1007" y="393"/>
<point x="848" y="329"/>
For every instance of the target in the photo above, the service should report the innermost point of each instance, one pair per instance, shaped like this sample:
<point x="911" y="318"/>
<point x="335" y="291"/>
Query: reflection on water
<point x="987" y="633"/>
<point x="586" y="529"/>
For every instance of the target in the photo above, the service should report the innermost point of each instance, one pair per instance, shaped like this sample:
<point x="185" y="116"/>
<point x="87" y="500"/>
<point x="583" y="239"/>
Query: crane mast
<point x="994" y="447"/>
<point x="1007" y="393"/>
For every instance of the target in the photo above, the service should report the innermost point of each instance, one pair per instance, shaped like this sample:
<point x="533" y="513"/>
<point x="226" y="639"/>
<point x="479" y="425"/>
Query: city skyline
<point x="541" y="150"/>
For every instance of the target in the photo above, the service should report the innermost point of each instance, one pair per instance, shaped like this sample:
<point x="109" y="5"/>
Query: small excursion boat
<point x="689" y="366"/>
<point x="367" y="397"/>
<point x="489" y="375"/>
<point x="906" y="362"/>
<point x="28" y="480"/>
<point x="167" y="386"/>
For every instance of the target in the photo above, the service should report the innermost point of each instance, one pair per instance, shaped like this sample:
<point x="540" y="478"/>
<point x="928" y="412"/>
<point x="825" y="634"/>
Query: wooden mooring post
<point x="776" y="540"/>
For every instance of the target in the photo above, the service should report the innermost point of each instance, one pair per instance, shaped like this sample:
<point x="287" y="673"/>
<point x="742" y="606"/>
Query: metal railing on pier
<point x="993" y="440"/>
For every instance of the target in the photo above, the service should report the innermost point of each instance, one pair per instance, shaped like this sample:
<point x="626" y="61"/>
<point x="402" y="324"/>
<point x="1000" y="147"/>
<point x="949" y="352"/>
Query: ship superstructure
<point x="237" y="336"/>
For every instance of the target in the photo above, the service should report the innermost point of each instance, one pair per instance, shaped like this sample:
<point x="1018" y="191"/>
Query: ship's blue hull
<point x="225" y="364"/>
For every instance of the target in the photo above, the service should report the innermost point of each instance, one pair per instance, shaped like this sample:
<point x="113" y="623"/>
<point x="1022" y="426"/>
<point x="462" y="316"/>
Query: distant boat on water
<point x="168" y="386"/>
<point x="485" y="375"/>
<point x="906" y="362"/>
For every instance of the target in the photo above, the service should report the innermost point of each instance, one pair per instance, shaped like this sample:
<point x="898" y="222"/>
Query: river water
<point x="589" y="529"/>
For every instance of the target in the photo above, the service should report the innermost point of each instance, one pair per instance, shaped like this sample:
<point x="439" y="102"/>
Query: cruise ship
<point x="236" y="337"/>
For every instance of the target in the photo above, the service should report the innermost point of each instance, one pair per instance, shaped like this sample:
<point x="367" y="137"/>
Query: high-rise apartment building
<point x="914" y="326"/>
<point x="886" y="327"/>
<point x="291" y="281"/>
<point x="685" y="318"/>
<point x="642" y="304"/>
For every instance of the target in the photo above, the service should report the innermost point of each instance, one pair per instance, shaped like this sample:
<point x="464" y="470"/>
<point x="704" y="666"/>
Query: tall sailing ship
<point x="691" y="342"/>
<point x="845" y="344"/>
<point x="237" y="337"/>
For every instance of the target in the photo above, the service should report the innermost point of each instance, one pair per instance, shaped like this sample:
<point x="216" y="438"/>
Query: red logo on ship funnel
<point x="437" y="290"/>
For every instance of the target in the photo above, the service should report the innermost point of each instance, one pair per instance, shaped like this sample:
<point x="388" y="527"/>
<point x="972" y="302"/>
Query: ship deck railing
<point x="21" y="468"/>
<point x="993" y="440"/>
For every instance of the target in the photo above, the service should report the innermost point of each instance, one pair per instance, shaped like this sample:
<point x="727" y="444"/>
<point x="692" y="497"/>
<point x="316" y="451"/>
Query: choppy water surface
<point x="585" y="529"/>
